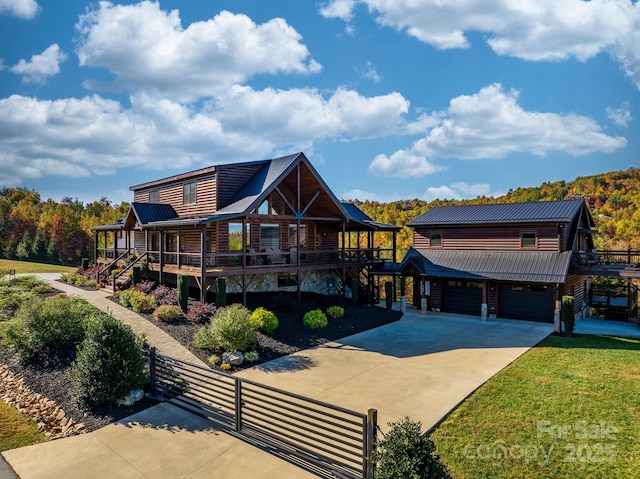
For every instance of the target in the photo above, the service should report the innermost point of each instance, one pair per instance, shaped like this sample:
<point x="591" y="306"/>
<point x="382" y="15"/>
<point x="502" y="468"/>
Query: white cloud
<point x="369" y="72"/>
<point x="342" y="9"/>
<point x="358" y="194"/>
<point x="20" y="8"/>
<point x="41" y="66"/>
<point x="491" y="124"/>
<point x="147" y="49"/>
<point x="530" y="29"/>
<point x="403" y="164"/>
<point x="620" y="116"/>
<point x="458" y="191"/>
<point x="92" y="135"/>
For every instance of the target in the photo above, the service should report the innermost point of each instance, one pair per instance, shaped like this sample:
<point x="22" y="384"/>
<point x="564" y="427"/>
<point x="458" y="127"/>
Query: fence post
<point x="370" y="443"/>
<point x="152" y="371"/>
<point x="238" y="388"/>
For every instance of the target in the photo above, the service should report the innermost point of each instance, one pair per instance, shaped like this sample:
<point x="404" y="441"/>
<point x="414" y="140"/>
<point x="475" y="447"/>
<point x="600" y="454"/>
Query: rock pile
<point x="51" y="419"/>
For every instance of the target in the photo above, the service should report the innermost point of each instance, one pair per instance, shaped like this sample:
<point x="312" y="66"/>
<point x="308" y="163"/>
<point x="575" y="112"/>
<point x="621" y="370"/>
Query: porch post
<point x="95" y="248"/>
<point x="161" y="258"/>
<point x="115" y="244"/>
<point x="203" y="266"/>
<point x="556" y="312"/>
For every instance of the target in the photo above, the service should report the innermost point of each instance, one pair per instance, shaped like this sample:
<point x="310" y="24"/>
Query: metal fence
<point x="329" y="440"/>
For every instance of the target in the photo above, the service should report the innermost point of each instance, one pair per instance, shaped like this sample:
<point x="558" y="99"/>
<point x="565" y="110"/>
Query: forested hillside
<point x="613" y="198"/>
<point x="33" y="229"/>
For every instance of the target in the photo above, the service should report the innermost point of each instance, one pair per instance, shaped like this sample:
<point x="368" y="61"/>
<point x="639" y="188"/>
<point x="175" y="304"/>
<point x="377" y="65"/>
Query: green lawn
<point x="16" y="430"/>
<point x="569" y="408"/>
<point x="31" y="268"/>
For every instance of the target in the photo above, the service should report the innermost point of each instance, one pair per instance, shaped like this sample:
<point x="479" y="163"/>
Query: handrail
<point x="113" y="263"/>
<point x="127" y="268"/>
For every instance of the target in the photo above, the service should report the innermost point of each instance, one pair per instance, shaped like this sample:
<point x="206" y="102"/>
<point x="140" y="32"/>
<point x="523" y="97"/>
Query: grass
<point x="27" y="267"/>
<point x="16" y="430"/>
<point x="569" y="408"/>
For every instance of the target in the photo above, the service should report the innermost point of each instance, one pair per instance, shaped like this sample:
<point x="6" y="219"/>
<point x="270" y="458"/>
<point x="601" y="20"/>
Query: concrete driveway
<point x="421" y="366"/>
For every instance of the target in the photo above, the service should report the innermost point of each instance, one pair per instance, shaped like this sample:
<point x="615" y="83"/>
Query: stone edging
<point x="49" y="417"/>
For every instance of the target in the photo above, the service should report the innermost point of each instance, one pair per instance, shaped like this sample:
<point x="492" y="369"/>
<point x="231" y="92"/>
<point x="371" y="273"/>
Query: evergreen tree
<point x="53" y="255"/>
<point x="1" y="251"/>
<point x="39" y="248"/>
<point x="23" y="251"/>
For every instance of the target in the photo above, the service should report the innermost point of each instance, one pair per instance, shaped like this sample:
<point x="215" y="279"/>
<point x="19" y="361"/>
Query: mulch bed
<point x="291" y="335"/>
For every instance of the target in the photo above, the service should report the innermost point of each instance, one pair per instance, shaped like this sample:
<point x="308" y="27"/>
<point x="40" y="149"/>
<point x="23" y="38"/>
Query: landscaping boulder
<point x="235" y="359"/>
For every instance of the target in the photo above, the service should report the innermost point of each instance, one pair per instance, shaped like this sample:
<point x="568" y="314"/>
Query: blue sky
<point x="389" y="99"/>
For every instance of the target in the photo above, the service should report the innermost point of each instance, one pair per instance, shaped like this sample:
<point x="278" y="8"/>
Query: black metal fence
<point x="330" y="440"/>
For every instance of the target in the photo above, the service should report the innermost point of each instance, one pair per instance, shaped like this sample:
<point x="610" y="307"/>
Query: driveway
<point x="422" y="366"/>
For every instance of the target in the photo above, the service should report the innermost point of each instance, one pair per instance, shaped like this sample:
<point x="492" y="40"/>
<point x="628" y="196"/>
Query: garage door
<point x="531" y="302"/>
<point x="463" y="297"/>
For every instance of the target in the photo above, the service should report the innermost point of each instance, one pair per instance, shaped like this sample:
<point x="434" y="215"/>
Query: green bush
<point x="203" y="338"/>
<point x="25" y="283"/>
<point x="264" y="320"/>
<point x="167" y="312"/>
<point x="183" y="292"/>
<point x="230" y="329"/>
<point x="41" y="289"/>
<point x="568" y="314"/>
<point x="142" y="303"/>
<point x="124" y="296"/>
<point x="46" y="325"/>
<point x="315" y="319"/>
<point x="407" y="453"/>
<point x="335" y="312"/>
<point x="110" y="363"/>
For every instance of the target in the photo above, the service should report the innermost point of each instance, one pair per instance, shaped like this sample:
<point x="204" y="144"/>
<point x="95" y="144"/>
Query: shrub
<point x="203" y="338"/>
<point x="264" y="320"/>
<point x="406" y="452"/>
<point x="230" y="330"/>
<point x="124" y="296"/>
<point x="165" y="295"/>
<point x="42" y="289"/>
<point x="200" y="312"/>
<point x="315" y="319"/>
<point x="145" y="286"/>
<point x="167" y="312"/>
<point x="213" y="360"/>
<point x="183" y="291"/>
<point x="109" y="364"/>
<point x="142" y="303"/>
<point x="251" y="356"/>
<point x="26" y="282"/>
<point x="39" y="326"/>
<point x="335" y="311"/>
<point x="568" y="314"/>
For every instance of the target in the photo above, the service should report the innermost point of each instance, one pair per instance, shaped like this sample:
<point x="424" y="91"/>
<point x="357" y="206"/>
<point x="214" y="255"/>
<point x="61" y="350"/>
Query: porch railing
<point x="608" y="258"/>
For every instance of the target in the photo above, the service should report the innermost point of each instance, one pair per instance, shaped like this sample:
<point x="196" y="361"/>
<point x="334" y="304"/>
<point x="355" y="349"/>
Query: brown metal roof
<point x="520" y="266"/>
<point x="512" y="213"/>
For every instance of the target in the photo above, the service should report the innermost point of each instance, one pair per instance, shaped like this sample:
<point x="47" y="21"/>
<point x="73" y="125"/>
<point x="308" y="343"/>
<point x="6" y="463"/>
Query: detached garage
<point x="531" y="302"/>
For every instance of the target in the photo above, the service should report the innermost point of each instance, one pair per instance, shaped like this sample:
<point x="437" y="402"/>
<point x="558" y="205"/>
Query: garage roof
<point x="520" y="266"/>
<point x="512" y="213"/>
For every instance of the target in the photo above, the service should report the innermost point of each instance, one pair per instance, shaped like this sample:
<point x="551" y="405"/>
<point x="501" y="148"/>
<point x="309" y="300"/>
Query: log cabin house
<point x="265" y="226"/>
<point x="501" y="260"/>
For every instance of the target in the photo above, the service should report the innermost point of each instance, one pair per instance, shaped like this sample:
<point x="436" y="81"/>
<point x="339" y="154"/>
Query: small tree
<point x="23" y="250"/>
<point x="110" y="363"/>
<point x="354" y="290"/>
<point x="53" y="254"/>
<point x="568" y="315"/>
<point x="221" y="292"/>
<point x="388" y="292"/>
<point x="405" y="452"/>
<point x="183" y="292"/>
<point x="39" y="248"/>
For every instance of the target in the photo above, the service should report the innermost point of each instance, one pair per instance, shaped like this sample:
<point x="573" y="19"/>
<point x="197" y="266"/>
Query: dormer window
<point x="528" y="240"/>
<point x="189" y="193"/>
<point x="435" y="239"/>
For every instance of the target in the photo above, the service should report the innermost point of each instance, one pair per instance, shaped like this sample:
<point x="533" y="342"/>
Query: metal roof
<point x="152" y="212"/>
<point x="355" y="214"/>
<point x="520" y="266"/>
<point x="533" y="212"/>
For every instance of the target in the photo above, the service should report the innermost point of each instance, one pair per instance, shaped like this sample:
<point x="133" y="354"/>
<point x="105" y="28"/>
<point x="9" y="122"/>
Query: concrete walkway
<point x="607" y="328"/>
<point x="156" y="337"/>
